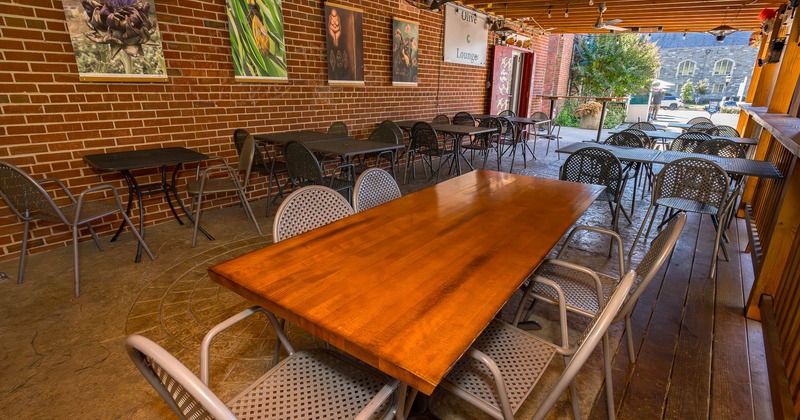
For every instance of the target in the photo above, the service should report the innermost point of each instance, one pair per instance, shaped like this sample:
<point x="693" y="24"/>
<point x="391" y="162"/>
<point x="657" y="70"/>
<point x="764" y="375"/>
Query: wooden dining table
<point x="407" y="286"/>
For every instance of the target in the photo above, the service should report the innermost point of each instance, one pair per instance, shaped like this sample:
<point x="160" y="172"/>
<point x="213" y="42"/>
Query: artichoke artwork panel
<point x="116" y="40"/>
<point x="405" y="50"/>
<point x="257" y="40"/>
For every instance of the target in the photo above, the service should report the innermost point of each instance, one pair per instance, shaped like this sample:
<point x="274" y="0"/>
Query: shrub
<point x="615" y="115"/>
<point x="566" y="116"/>
<point x="729" y="110"/>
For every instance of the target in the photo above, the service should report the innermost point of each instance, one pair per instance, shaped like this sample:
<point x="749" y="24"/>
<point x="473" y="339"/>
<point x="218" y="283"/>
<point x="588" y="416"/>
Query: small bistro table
<point x="392" y="285"/>
<point x="128" y="161"/>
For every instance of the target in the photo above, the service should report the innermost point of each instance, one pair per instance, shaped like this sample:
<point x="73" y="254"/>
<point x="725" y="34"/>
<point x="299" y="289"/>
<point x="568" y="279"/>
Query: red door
<point x="502" y="77"/>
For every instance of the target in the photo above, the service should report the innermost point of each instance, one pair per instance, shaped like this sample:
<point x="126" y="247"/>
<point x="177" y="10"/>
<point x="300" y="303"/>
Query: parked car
<point x="671" y="102"/>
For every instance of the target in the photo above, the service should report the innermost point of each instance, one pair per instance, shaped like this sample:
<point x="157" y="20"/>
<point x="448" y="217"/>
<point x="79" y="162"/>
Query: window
<point x="724" y="66"/>
<point x="686" y="68"/>
<point x="717" y="87"/>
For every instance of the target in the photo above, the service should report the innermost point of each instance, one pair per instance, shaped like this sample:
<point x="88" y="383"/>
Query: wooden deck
<point x="698" y="357"/>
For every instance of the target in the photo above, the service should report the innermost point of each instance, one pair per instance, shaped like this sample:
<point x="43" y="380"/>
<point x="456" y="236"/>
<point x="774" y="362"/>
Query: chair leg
<point x="573" y="394"/>
<point x="94" y="237"/>
<point x="75" y="260"/>
<point x="197" y="219"/>
<point x="136" y="232"/>
<point x="641" y="228"/>
<point x="609" y="384"/>
<point x="715" y="253"/>
<point x="24" y="251"/>
<point x="629" y="334"/>
<point x="249" y="212"/>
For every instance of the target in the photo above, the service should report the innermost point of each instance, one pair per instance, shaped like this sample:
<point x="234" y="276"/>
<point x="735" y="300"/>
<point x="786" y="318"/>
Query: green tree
<point x="687" y="91"/>
<point x="614" y="64"/>
<point x="703" y="87"/>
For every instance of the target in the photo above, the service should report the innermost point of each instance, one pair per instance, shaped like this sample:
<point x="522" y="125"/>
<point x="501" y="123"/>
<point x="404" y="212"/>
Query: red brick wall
<point x="559" y="60"/>
<point x="50" y="119"/>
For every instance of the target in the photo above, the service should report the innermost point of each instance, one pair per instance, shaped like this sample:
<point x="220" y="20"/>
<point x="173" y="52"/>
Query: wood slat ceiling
<point x="671" y="15"/>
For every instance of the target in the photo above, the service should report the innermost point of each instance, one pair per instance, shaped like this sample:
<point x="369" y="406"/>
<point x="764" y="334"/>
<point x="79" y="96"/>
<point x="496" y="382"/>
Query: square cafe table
<point x="457" y="131"/>
<point x="672" y="135"/>
<point x="409" y="285"/>
<point x="126" y="162"/>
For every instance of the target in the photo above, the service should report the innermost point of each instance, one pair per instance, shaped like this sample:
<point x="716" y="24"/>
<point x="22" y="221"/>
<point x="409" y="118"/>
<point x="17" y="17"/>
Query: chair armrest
<point x="60" y="184"/>
<point x="351" y="169"/>
<point x="205" y="346"/>
<point x="562" y="311"/>
<point x="601" y="231"/>
<point x="84" y="193"/>
<point x="502" y="392"/>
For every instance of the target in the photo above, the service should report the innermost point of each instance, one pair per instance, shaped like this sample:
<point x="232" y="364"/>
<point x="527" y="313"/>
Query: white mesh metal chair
<point x="690" y="185"/>
<point x="373" y="188"/>
<point x="235" y="181"/>
<point x="30" y="201"/>
<point x="318" y="384"/>
<point x="503" y="366"/>
<point x="308" y="208"/>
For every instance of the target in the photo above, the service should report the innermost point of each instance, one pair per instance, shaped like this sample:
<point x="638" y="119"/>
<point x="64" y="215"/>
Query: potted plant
<point x="589" y="113"/>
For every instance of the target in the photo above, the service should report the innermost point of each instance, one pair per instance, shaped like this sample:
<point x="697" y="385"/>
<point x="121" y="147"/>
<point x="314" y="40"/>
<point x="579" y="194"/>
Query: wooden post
<point x="788" y="73"/>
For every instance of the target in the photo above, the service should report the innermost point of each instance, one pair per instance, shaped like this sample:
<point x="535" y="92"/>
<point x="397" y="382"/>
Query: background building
<point x="726" y="65"/>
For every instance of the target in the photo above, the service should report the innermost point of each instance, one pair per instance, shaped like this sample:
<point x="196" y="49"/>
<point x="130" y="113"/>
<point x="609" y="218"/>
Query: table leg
<point x="180" y="202"/>
<point x="552" y="107"/>
<point x="127" y="175"/>
<point x="166" y="187"/>
<point x="602" y="119"/>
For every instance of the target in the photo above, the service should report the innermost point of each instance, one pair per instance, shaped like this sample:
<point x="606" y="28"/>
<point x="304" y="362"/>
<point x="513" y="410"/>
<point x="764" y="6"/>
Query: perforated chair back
<point x="691" y="179"/>
<point x="701" y="127"/>
<point x="489" y="123"/>
<point x="246" y="158"/>
<point x="423" y="137"/>
<point x="688" y="142"/>
<point x="307" y="209"/>
<point x="507" y="113"/>
<point x="384" y="134"/>
<point x="696" y="120"/>
<point x="259" y="163"/>
<point x="373" y="188"/>
<point x="654" y="259"/>
<point x="594" y="165"/>
<point x="463" y="118"/>
<point x="588" y="342"/>
<point x="646" y="140"/>
<point x="338" y="128"/>
<point x="302" y="165"/>
<point x="188" y="397"/>
<point x="27" y="199"/>
<point x="724" y="131"/>
<point x="538" y="115"/>
<point x="721" y="147"/>
<point x="644" y="126"/>
<point x="398" y="132"/>
<point x="624" y="139"/>
<point x="507" y="131"/>
<point x="441" y="119"/>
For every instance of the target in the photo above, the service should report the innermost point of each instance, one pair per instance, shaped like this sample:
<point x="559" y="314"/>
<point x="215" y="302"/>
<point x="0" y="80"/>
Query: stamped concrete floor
<point x="63" y="356"/>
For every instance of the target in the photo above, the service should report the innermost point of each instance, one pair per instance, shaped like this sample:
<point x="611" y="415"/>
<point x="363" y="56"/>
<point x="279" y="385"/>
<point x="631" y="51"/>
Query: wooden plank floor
<point x="697" y="355"/>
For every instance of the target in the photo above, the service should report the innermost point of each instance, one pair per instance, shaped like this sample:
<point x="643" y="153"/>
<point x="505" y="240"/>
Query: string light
<point x="549" y="15"/>
<point x="591" y="2"/>
<point x="566" y="13"/>
<point x="684" y="34"/>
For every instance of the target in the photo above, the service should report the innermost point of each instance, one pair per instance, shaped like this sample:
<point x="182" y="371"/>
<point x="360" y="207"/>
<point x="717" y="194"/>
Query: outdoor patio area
<point x="64" y="356"/>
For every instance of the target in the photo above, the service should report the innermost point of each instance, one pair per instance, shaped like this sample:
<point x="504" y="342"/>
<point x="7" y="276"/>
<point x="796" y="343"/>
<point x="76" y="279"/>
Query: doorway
<point x="509" y="76"/>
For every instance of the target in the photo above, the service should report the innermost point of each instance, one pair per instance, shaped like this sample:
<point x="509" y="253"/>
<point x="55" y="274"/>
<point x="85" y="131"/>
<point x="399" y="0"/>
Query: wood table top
<point x="409" y="285"/>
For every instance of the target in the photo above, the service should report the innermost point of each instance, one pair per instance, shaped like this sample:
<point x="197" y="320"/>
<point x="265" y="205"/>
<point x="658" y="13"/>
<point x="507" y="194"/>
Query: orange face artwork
<point x="335" y="26"/>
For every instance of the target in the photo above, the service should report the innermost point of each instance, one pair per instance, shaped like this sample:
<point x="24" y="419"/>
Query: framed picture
<point x="116" y="40"/>
<point x="405" y="42"/>
<point x="257" y="42"/>
<point x="345" y="45"/>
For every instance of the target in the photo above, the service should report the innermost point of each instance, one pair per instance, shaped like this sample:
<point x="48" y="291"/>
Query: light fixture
<point x="499" y="27"/>
<point x="432" y="5"/>
<point x="684" y="34"/>
<point x="566" y="12"/>
<point x="591" y="2"/>
<point x="549" y="15"/>
<point x="722" y="31"/>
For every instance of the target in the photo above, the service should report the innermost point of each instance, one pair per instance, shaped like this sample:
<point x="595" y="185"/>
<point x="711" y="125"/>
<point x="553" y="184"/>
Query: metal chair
<point x="648" y="174"/>
<point x="597" y="166"/>
<point x="729" y="149"/>
<point x="307" y="384"/>
<point x="30" y="201"/>
<point x="463" y="118"/>
<point x="642" y="125"/>
<point x="647" y="141"/>
<point x="398" y="132"/>
<point x="724" y="131"/>
<point x="373" y="188"/>
<point x="690" y="185"/>
<point x="440" y="119"/>
<point x="269" y="167"/>
<point x="235" y="181"/>
<point x="305" y="169"/>
<point x="701" y="127"/>
<point x="688" y="142"/>
<point x="425" y="142"/>
<point x="481" y="143"/>
<point x="585" y="290"/>
<point x="507" y="113"/>
<point x="384" y="134"/>
<point x="507" y="140"/>
<point x="307" y="209"/>
<point x="696" y="120"/>
<point x="338" y="128"/>
<point x="504" y="364"/>
<point x="631" y="169"/>
<point x="551" y="132"/>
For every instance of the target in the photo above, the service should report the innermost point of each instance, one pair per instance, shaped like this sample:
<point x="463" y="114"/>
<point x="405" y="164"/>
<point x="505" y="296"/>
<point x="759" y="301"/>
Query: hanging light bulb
<point x="566" y="13"/>
<point x="591" y="2"/>
<point x="549" y="15"/>
<point x="649" y="35"/>
<point x="684" y="34"/>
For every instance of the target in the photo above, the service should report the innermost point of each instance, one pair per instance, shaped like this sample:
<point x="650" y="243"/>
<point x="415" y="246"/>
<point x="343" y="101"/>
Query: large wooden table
<point x="408" y="286"/>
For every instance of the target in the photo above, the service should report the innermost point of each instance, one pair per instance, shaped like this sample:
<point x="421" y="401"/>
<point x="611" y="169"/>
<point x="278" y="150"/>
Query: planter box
<point x="590" y="121"/>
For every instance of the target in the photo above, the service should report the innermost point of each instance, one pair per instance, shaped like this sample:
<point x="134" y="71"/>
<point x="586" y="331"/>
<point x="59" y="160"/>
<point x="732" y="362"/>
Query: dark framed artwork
<point x="405" y="48"/>
<point x="345" y="45"/>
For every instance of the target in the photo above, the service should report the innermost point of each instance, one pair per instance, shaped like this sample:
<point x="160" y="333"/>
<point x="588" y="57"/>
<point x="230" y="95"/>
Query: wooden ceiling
<point x="670" y="15"/>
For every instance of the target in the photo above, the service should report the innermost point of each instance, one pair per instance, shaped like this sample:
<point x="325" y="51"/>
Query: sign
<point x="466" y="35"/>
<point x="713" y="107"/>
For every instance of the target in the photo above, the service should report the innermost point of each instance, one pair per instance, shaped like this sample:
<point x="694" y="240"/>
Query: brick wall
<point x="559" y="60"/>
<point x="50" y="119"/>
